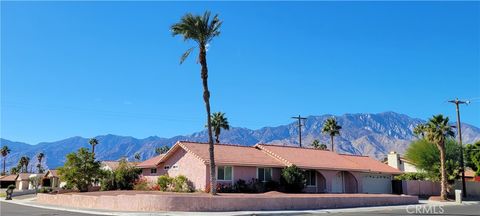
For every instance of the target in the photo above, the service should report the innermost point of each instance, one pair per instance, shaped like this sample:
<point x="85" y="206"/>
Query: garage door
<point x="376" y="183"/>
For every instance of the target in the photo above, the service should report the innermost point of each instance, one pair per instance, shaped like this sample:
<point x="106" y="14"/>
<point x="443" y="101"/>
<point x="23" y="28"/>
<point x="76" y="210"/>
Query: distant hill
<point x="366" y="134"/>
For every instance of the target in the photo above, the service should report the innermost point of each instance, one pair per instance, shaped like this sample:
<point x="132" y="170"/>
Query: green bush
<point x="164" y="182"/>
<point x="45" y="190"/>
<point x="177" y="184"/>
<point x="293" y="179"/>
<point x="180" y="184"/>
<point x="412" y="176"/>
<point x="122" y="178"/>
<point x="11" y="187"/>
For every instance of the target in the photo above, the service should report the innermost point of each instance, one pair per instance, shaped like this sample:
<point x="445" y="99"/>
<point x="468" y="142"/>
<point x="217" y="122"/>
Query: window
<point x="311" y="176"/>
<point x="166" y="167"/>
<point x="153" y="170"/>
<point x="224" y="173"/>
<point x="264" y="174"/>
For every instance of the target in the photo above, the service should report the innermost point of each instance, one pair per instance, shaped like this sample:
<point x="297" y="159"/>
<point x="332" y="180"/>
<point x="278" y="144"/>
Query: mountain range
<point x="362" y="134"/>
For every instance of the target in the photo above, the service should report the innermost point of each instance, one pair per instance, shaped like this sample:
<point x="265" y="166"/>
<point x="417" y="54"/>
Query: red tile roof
<point x="152" y="162"/>
<point x="9" y="178"/>
<point x="371" y="164"/>
<point x="275" y="156"/>
<point x="309" y="158"/>
<point x="226" y="154"/>
<point x="53" y="173"/>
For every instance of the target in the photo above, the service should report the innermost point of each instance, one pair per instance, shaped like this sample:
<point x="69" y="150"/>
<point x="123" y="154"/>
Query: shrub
<point x="80" y="170"/>
<point x="11" y="187"/>
<point x="45" y="190"/>
<point x="293" y="179"/>
<point x="241" y="186"/>
<point x="141" y="184"/>
<point x="164" y="182"/>
<point x="122" y="178"/>
<point x="180" y="184"/>
<point x="412" y="176"/>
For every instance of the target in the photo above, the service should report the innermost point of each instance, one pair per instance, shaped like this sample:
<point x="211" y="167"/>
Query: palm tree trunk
<point x="217" y="138"/>
<point x="206" y="98"/>
<point x="331" y="140"/>
<point x="4" y="158"/>
<point x="93" y="152"/>
<point x="443" y="183"/>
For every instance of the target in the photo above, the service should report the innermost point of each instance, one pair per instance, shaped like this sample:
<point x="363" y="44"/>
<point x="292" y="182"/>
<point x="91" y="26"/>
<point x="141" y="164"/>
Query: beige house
<point x="396" y="161"/>
<point x="21" y="181"/>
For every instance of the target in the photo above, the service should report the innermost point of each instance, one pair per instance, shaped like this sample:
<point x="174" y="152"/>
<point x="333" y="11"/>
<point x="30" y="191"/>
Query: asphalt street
<point x="10" y="209"/>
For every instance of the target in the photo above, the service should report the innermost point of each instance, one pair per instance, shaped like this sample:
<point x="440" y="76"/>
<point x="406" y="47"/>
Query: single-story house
<point x="327" y="172"/>
<point x="113" y="165"/>
<point x="21" y="181"/>
<point x="52" y="179"/>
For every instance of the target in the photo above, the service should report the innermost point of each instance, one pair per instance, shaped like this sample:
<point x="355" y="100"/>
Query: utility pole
<point x="459" y="131"/>
<point x="299" y="128"/>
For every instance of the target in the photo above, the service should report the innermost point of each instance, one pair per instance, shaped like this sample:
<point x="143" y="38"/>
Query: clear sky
<point x="91" y="68"/>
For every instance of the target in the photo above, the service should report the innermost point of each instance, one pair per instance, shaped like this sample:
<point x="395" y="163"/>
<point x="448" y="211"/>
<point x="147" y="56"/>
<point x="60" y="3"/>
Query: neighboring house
<point x="52" y="179"/>
<point x="396" y="161"/>
<point x="113" y="165"/>
<point x="21" y="181"/>
<point x="326" y="171"/>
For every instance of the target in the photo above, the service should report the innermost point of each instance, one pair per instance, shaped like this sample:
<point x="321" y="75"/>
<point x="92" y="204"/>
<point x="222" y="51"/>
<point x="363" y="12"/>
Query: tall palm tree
<point x="24" y="161"/>
<point x="419" y="130"/>
<point x="93" y="142"/>
<point x="40" y="157"/>
<point x="201" y="30"/>
<point x="331" y="128"/>
<point x="437" y="131"/>
<point x="219" y="122"/>
<point x="4" y="151"/>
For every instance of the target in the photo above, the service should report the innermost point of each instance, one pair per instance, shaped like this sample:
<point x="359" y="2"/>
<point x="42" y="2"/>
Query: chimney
<point x="394" y="160"/>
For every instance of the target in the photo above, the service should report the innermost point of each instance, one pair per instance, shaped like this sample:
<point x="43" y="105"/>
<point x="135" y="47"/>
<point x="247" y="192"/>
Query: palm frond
<point x="186" y="54"/>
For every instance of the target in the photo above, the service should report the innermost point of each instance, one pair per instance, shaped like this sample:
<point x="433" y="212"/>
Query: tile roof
<point x="152" y="162"/>
<point x="227" y="154"/>
<point x="469" y="172"/>
<point x="24" y="176"/>
<point x="309" y="158"/>
<point x="371" y="164"/>
<point x="9" y="178"/>
<point x="53" y="173"/>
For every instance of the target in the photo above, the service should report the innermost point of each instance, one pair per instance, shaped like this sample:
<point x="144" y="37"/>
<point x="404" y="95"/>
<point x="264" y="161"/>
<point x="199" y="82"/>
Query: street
<point x="470" y="209"/>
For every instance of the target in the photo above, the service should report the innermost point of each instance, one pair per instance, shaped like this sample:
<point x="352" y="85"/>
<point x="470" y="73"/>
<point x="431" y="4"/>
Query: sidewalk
<point x="30" y="201"/>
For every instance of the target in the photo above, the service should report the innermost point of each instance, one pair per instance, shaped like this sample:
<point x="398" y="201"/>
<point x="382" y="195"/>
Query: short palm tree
<point x="40" y="157"/>
<point x="219" y="122"/>
<point x="437" y="131"/>
<point x="201" y="29"/>
<point x="419" y="130"/>
<point x="316" y="144"/>
<point x="4" y="151"/>
<point x="93" y="142"/>
<point x="331" y="128"/>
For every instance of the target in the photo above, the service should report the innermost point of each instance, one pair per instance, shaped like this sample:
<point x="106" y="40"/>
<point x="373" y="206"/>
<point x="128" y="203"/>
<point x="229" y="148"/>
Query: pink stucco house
<point x="327" y="172"/>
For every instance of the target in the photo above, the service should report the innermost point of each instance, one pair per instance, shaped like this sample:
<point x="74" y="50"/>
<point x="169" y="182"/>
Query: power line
<point x="299" y="118"/>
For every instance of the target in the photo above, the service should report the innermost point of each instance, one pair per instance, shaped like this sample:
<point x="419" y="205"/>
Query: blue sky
<point x="91" y="68"/>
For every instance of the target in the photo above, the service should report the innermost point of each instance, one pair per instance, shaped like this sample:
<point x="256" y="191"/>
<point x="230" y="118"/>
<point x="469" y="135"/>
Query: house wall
<point x="408" y="167"/>
<point x="152" y="177"/>
<point x="333" y="181"/>
<point x="189" y="166"/>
